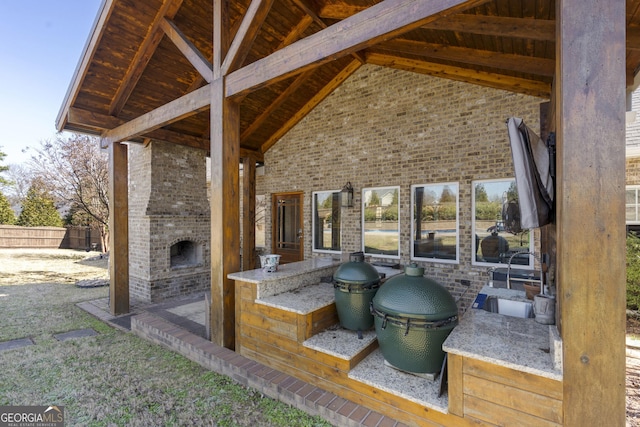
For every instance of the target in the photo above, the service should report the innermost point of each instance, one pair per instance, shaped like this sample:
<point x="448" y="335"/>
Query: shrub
<point x="633" y="271"/>
<point x="38" y="210"/>
<point x="6" y="213"/>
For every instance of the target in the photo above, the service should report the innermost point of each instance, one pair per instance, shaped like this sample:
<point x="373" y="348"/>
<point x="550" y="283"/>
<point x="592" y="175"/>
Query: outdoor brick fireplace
<point x="169" y="221"/>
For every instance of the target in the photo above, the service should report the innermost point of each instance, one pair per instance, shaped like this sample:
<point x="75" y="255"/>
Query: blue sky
<point x="40" y="45"/>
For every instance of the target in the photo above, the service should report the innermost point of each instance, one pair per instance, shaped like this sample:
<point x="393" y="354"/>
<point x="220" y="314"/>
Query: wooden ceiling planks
<point x="507" y="44"/>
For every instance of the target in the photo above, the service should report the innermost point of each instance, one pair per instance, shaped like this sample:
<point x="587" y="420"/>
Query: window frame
<point x="456" y="260"/>
<point x="474" y="242"/>
<point x="636" y="189"/>
<point x="363" y="222"/>
<point x="313" y="223"/>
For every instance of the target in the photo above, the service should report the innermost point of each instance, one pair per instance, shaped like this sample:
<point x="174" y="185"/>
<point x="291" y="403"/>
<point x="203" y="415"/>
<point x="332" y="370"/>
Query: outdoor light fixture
<point x="347" y="196"/>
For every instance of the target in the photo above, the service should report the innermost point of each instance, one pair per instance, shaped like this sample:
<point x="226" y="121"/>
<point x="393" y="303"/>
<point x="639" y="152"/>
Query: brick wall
<point x="167" y="204"/>
<point x="633" y="171"/>
<point x="633" y="129"/>
<point x="387" y="127"/>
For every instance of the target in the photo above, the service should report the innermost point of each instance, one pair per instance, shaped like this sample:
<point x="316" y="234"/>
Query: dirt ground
<point x="44" y="266"/>
<point x="633" y="373"/>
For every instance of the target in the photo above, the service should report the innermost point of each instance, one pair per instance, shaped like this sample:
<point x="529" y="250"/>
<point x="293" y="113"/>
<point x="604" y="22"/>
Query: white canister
<point x="544" y="308"/>
<point x="269" y="263"/>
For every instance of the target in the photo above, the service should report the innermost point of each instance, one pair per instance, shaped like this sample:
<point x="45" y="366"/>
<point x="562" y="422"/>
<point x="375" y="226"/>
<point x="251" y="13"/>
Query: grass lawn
<point x="113" y="378"/>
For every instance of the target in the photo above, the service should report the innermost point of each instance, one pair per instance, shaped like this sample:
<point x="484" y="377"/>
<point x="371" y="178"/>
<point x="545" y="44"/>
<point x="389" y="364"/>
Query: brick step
<point x="273" y="383"/>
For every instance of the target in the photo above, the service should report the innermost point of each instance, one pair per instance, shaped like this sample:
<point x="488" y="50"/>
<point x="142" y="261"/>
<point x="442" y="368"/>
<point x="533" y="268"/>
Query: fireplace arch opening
<point x="185" y="253"/>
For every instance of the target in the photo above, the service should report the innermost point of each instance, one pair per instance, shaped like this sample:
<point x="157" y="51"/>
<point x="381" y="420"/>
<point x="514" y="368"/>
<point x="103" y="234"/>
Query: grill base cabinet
<point x="413" y="316"/>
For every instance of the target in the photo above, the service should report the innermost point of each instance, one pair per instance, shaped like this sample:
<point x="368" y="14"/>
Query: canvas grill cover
<point x="533" y="179"/>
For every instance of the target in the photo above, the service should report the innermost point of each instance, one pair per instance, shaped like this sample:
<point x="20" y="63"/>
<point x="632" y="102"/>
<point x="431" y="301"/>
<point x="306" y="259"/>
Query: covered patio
<point x="231" y="79"/>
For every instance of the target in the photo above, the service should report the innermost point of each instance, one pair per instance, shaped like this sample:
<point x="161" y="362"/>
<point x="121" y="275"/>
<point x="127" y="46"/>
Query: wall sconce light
<point x="347" y="196"/>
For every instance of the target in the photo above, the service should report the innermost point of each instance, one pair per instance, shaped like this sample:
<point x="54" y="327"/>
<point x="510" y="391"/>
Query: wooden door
<point x="287" y="220"/>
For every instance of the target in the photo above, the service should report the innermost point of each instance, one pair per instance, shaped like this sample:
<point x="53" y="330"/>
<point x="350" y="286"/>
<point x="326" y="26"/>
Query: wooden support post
<point x="225" y="213"/>
<point x="590" y="124"/>
<point x="248" y="213"/>
<point x="118" y="229"/>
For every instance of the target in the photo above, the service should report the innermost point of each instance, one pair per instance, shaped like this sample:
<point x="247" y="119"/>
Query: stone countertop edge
<point x="520" y="344"/>
<point x="289" y="276"/>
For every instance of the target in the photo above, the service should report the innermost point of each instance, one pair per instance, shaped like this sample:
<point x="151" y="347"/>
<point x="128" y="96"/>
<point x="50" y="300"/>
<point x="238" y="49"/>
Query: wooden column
<point x="248" y="213"/>
<point x="590" y="124"/>
<point x="225" y="189"/>
<point x="118" y="229"/>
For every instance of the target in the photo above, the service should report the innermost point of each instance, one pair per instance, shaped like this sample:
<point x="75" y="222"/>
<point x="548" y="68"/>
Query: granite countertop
<point x="512" y="342"/>
<point x="284" y="270"/>
<point x="302" y="300"/>
<point x="289" y="276"/>
<point x="296" y="275"/>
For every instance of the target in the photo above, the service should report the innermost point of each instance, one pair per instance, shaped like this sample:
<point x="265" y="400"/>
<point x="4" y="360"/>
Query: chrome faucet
<point x="539" y="262"/>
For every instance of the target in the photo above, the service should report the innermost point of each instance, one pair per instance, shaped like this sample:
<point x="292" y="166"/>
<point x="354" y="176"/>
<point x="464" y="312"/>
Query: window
<point x="261" y="209"/>
<point x="326" y="221"/>
<point x="380" y="222"/>
<point x="497" y="236"/>
<point x="434" y="222"/>
<point x="632" y="205"/>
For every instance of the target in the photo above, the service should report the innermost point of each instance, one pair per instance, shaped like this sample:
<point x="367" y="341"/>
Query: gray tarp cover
<point x="533" y="180"/>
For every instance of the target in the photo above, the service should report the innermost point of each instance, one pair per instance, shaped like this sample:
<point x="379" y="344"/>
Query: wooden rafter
<point x="383" y="21"/>
<point x="496" y="81"/>
<point x="297" y="31"/>
<point x="188" y="49"/>
<point x="143" y="56"/>
<point x="246" y="34"/>
<point x="483" y="58"/>
<point x="351" y="68"/>
<point x="290" y="90"/>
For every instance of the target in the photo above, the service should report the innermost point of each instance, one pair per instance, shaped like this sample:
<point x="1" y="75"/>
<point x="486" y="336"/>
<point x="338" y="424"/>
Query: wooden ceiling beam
<point x="168" y="9"/>
<point x="311" y="13"/>
<point x="188" y="49"/>
<point x="85" y="120"/>
<point x="383" y="21"/>
<point x="633" y="38"/>
<point x="351" y="68"/>
<point x="501" y="26"/>
<point x="251" y="23"/>
<point x="482" y="78"/>
<point x="484" y="58"/>
<point x="176" y="110"/>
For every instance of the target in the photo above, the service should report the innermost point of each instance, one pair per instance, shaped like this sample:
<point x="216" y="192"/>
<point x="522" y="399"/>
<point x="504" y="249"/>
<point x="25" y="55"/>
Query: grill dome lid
<point x="356" y="272"/>
<point x="415" y="296"/>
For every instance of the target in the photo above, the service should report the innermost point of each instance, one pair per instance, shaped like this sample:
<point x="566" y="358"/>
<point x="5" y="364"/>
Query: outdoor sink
<point x="508" y="307"/>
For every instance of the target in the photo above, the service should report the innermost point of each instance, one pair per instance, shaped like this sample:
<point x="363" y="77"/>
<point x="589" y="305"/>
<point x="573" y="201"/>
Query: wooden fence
<point x="83" y="238"/>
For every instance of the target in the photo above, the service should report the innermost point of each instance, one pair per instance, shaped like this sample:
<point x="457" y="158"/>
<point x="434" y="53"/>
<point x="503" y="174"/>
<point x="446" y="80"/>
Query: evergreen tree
<point x="6" y="213"/>
<point x="38" y="210"/>
<point x="481" y="193"/>
<point x="3" y="168"/>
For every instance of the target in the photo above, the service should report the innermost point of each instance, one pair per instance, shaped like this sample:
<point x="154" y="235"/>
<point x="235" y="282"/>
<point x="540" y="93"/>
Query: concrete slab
<point x="78" y="333"/>
<point x="13" y="344"/>
<point x="194" y="311"/>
